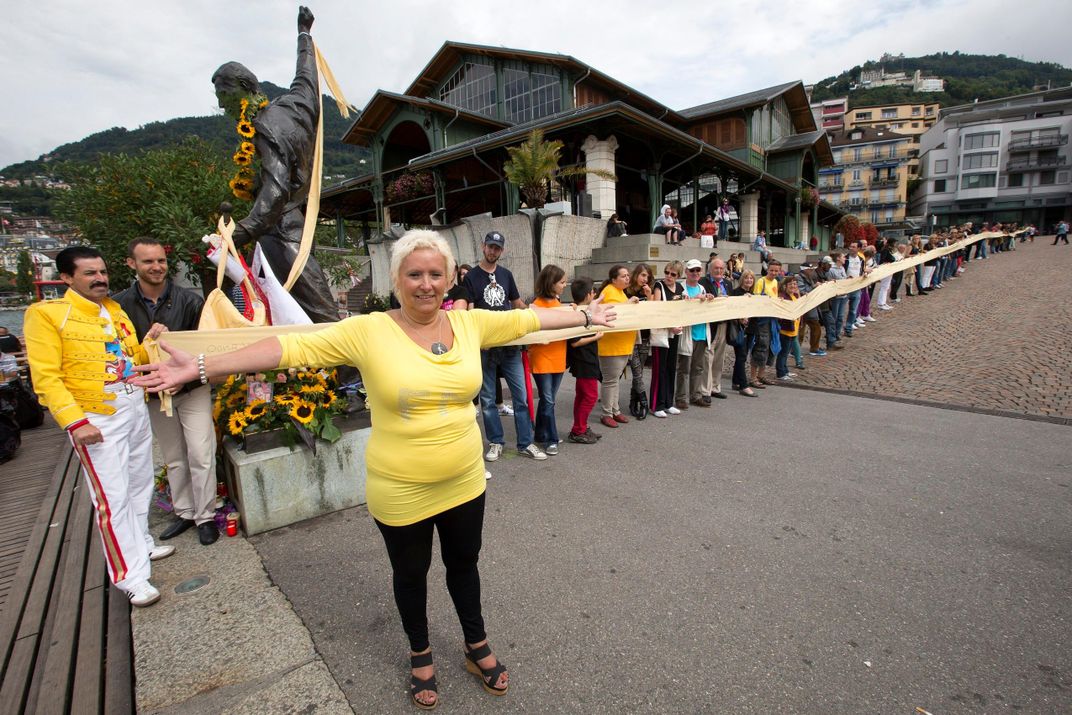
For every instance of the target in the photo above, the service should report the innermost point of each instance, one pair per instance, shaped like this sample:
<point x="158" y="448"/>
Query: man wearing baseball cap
<point x="492" y="287"/>
<point x="692" y="346"/>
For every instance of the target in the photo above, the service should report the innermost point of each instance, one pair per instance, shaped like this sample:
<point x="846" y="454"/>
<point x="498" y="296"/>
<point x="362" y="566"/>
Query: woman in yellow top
<point x="548" y="360"/>
<point x="615" y="349"/>
<point x="421" y="367"/>
<point x="787" y="329"/>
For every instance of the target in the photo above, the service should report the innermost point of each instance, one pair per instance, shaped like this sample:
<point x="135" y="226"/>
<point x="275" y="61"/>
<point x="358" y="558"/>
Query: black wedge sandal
<point x="488" y="677"/>
<point x="418" y="685"/>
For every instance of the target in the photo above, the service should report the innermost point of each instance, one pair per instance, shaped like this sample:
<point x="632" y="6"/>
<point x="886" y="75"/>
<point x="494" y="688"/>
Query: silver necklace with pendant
<point x="438" y="347"/>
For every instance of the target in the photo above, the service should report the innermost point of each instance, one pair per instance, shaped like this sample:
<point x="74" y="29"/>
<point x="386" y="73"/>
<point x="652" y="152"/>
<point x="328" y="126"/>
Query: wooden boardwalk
<point x="24" y="481"/>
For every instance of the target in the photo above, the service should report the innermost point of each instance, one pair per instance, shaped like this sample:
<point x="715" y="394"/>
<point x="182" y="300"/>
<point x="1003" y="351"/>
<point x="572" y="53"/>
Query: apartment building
<point x="1004" y="160"/>
<point x="906" y="119"/>
<point x="829" y="114"/>
<point x="870" y="175"/>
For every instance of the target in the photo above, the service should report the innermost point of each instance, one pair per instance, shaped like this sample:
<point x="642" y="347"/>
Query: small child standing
<point x="582" y="358"/>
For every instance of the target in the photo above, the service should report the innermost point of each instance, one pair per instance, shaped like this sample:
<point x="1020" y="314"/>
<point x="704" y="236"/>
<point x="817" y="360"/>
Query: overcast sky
<point x="71" y="68"/>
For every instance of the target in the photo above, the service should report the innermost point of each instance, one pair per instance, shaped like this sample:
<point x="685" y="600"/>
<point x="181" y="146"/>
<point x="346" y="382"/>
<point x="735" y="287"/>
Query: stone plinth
<point x="281" y="486"/>
<point x="749" y="213"/>
<point x="599" y="155"/>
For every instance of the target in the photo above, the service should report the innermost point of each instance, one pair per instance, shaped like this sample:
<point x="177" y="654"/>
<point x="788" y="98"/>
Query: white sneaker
<point x="143" y="594"/>
<point x="494" y="450"/>
<point x="861" y="324"/>
<point x="505" y="409"/>
<point x="869" y="318"/>
<point x="673" y="411"/>
<point x="896" y="300"/>
<point x="790" y="374"/>
<point x="161" y="551"/>
<point x="487" y="474"/>
<point x="659" y="413"/>
<point x="551" y="449"/>
<point x="885" y="307"/>
<point x="533" y="452"/>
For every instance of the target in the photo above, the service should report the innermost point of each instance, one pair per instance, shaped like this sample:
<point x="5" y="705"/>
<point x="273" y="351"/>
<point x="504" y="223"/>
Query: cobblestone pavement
<point x="997" y="338"/>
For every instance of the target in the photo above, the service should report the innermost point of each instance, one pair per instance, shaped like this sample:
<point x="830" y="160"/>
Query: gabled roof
<point x="795" y="142"/>
<point x="382" y="105"/>
<point x="451" y="53"/>
<point x="795" y="98"/>
<point x="869" y="135"/>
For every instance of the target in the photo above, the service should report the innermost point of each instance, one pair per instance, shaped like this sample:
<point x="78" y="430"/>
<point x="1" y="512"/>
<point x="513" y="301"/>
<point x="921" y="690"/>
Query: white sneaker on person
<point x="551" y="449"/>
<point x="161" y="551"/>
<point x="143" y="594"/>
<point x="532" y="452"/>
<point x="896" y="300"/>
<point x="790" y="374"/>
<point x="505" y="409"/>
<point x="869" y="318"/>
<point x="659" y="413"/>
<point x="885" y="307"/>
<point x="673" y="411"/>
<point x="487" y="474"/>
<point x="494" y="451"/>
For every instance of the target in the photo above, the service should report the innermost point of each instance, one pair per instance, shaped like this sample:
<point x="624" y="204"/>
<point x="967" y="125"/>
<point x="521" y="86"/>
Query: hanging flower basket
<point x="410" y="185"/>
<point x="809" y="197"/>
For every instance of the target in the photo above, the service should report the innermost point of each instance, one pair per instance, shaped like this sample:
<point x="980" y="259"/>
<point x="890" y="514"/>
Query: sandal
<point x="488" y="677"/>
<point x="757" y="385"/>
<point x="747" y="392"/>
<point x="767" y="381"/>
<point x="418" y="685"/>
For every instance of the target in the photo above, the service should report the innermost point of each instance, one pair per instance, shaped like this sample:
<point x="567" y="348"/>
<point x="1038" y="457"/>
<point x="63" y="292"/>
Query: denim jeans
<point x="547" y="384"/>
<point x="782" y="362"/>
<point x="828" y="318"/>
<point x="508" y="361"/>
<point x="837" y="309"/>
<point x="850" y="311"/>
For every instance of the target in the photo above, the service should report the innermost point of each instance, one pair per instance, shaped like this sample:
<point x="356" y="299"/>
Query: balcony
<point x="1038" y="143"/>
<point x="888" y="182"/>
<point x="856" y="184"/>
<point x="835" y="187"/>
<point x="1027" y="164"/>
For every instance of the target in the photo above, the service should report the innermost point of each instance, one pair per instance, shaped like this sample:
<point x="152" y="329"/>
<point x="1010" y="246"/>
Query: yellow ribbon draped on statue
<point x="631" y="316"/>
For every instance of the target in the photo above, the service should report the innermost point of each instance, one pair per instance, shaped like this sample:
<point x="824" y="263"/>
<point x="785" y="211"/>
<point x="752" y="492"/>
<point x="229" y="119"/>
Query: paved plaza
<point x="997" y="338"/>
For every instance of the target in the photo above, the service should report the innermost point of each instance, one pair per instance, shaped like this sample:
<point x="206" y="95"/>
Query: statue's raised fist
<point x="305" y="19"/>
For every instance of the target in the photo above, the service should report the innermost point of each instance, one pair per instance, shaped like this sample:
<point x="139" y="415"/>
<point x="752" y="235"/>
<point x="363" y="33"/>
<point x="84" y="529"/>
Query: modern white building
<point x="1004" y="160"/>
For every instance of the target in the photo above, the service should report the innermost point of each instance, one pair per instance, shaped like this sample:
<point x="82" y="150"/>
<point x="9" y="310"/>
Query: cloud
<point x="73" y="68"/>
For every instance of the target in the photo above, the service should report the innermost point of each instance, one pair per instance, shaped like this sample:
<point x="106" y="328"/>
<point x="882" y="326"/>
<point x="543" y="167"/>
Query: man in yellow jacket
<point x="82" y="349"/>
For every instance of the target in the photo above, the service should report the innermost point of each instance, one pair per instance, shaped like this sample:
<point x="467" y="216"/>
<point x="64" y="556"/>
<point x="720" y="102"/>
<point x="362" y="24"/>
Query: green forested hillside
<point x="967" y="78"/>
<point x="340" y="160"/>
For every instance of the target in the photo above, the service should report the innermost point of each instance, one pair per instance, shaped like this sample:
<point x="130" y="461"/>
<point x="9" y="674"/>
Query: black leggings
<point x="410" y="550"/>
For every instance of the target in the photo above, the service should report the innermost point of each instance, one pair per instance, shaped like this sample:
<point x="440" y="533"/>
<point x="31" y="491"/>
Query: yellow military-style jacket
<point x="65" y="341"/>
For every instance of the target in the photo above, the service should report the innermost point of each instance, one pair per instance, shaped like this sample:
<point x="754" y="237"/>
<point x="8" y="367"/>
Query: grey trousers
<point x="715" y="357"/>
<point x="188" y="443"/>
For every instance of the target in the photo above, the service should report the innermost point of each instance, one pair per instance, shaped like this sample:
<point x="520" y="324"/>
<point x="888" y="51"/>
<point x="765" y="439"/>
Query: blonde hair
<point x="676" y="266"/>
<point x="746" y="272"/>
<point x="416" y="240"/>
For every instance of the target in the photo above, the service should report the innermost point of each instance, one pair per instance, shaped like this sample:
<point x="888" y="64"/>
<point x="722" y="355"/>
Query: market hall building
<point x="438" y="148"/>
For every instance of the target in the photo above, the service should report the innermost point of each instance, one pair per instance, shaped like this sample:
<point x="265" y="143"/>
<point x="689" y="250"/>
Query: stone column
<point x="600" y="155"/>
<point x="749" y="217"/>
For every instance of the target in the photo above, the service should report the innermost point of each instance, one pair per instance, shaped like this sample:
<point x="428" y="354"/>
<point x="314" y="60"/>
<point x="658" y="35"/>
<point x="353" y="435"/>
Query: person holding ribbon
<point x="425" y="472"/>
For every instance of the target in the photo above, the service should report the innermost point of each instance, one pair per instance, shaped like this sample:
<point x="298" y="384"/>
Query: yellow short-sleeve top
<point x="621" y="343"/>
<point x="424" y="452"/>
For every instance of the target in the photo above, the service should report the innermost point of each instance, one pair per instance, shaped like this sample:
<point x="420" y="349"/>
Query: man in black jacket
<point x="716" y="284"/>
<point x="187" y="439"/>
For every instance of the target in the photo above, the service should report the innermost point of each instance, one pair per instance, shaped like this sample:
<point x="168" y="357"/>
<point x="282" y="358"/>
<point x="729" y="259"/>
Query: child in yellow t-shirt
<point x="788" y="330"/>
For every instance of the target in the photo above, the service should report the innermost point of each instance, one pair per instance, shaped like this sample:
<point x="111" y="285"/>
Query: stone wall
<point x="568" y="241"/>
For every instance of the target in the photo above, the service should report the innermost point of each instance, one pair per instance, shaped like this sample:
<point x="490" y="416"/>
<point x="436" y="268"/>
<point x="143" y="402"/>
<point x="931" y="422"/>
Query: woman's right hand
<point x="176" y="371"/>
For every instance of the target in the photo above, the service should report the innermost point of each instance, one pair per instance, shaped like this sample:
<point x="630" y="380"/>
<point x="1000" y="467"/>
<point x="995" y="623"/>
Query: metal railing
<point x="880" y="183"/>
<point x="1037" y="163"/>
<point x="1038" y="142"/>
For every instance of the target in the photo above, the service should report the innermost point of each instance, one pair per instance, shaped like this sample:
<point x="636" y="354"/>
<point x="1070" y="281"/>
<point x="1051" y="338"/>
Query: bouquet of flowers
<point x="292" y="400"/>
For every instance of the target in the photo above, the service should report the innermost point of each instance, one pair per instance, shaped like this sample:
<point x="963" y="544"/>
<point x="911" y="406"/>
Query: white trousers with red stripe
<point x="119" y="474"/>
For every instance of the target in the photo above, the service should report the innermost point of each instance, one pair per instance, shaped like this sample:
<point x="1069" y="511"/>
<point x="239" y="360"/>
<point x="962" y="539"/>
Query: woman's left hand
<point x="601" y="314"/>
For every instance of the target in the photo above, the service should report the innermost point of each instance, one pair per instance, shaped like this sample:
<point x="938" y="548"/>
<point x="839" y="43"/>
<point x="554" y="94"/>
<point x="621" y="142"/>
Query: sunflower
<point x="256" y="410"/>
<point x="241" y="183"/>
<point x="242" y="159"/>
<point x="237" y="423"/>
<point x="244" y="195"/>
<point x="314" y="389"/>
<point x="243" y="104"/>
<point x="303" y="412"/>
<point x="329" y="399"/>
<point x="217" y="409"/>
<point x="286" y="398"/>
<point x="247" y="148"/>
<point x="245" y="129"/>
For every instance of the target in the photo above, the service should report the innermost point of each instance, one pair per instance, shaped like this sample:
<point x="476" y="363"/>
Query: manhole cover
<point x="192" y="584"/>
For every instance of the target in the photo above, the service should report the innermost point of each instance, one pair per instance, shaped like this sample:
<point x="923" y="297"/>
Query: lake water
<point x="11" y="318"/>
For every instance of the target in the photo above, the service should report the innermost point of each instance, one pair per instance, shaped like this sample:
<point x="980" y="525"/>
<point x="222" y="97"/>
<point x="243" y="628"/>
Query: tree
<point x="170" y="194"/>
<point x="849" y="228"/>
<point x="24" y="273"/>
<point x="534" y="163"/>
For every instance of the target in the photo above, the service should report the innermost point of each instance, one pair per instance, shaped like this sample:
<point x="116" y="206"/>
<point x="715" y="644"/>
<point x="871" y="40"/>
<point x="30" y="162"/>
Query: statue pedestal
<point x="280" y="486"/>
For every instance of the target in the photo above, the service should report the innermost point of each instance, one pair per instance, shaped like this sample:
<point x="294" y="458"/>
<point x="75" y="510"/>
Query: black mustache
<point x="99" y="284"/>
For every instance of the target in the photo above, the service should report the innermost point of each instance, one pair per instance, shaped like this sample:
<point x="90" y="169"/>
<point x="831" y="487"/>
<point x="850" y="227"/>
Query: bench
<point x="65" y="638"/>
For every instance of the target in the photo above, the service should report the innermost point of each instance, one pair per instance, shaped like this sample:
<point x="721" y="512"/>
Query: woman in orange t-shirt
<point x="548" y="360"/>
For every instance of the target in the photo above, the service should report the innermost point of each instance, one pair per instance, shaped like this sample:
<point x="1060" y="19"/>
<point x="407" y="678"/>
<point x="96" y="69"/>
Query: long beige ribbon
<point x="631" y="316"/>
<point x="312" y="208"/>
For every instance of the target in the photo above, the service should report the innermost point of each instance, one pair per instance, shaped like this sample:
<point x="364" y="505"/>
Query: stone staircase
<point x="651" y="248"/>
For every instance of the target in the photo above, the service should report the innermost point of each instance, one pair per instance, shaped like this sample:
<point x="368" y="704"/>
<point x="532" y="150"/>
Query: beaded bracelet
<point x="201" y="369"/>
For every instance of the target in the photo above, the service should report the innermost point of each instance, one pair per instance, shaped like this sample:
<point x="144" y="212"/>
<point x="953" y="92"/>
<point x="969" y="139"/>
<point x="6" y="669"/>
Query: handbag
<point x="219" y="312"/>
<point x="660" y="337"/>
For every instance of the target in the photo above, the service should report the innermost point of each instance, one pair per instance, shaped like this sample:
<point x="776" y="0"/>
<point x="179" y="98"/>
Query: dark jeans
<point x="663" y="373"/>
<point x="410" y="550"/>
<point x="1060" y="237"/>
<point x="895" y="285"/>
<point x="547" y="384"/>
<point x="740" y="366"/>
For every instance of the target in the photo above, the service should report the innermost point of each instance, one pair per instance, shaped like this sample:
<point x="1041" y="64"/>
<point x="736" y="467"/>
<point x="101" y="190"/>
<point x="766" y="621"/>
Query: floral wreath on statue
<point x="244" y="156"/>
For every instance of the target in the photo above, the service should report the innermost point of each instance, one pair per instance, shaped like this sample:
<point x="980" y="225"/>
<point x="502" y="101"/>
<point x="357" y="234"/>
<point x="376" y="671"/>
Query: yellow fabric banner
<point x="631" y="316"/>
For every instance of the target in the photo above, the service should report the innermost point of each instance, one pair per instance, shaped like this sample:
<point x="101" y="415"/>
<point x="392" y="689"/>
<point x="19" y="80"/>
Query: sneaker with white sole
<point x="885" y="307"/>
<point x="161" y="551"/>
<point x="551" y="449"/>
<point x="673" y="411"/>
<point x="532" y="452"/>
<point x="505" y="409"/>
<point x="487" y="475"/>
<point x="659" y="413"/>
<point x="494" y="451"/>
<point x="143" y="594"/>
<point x="869" y="319"/>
